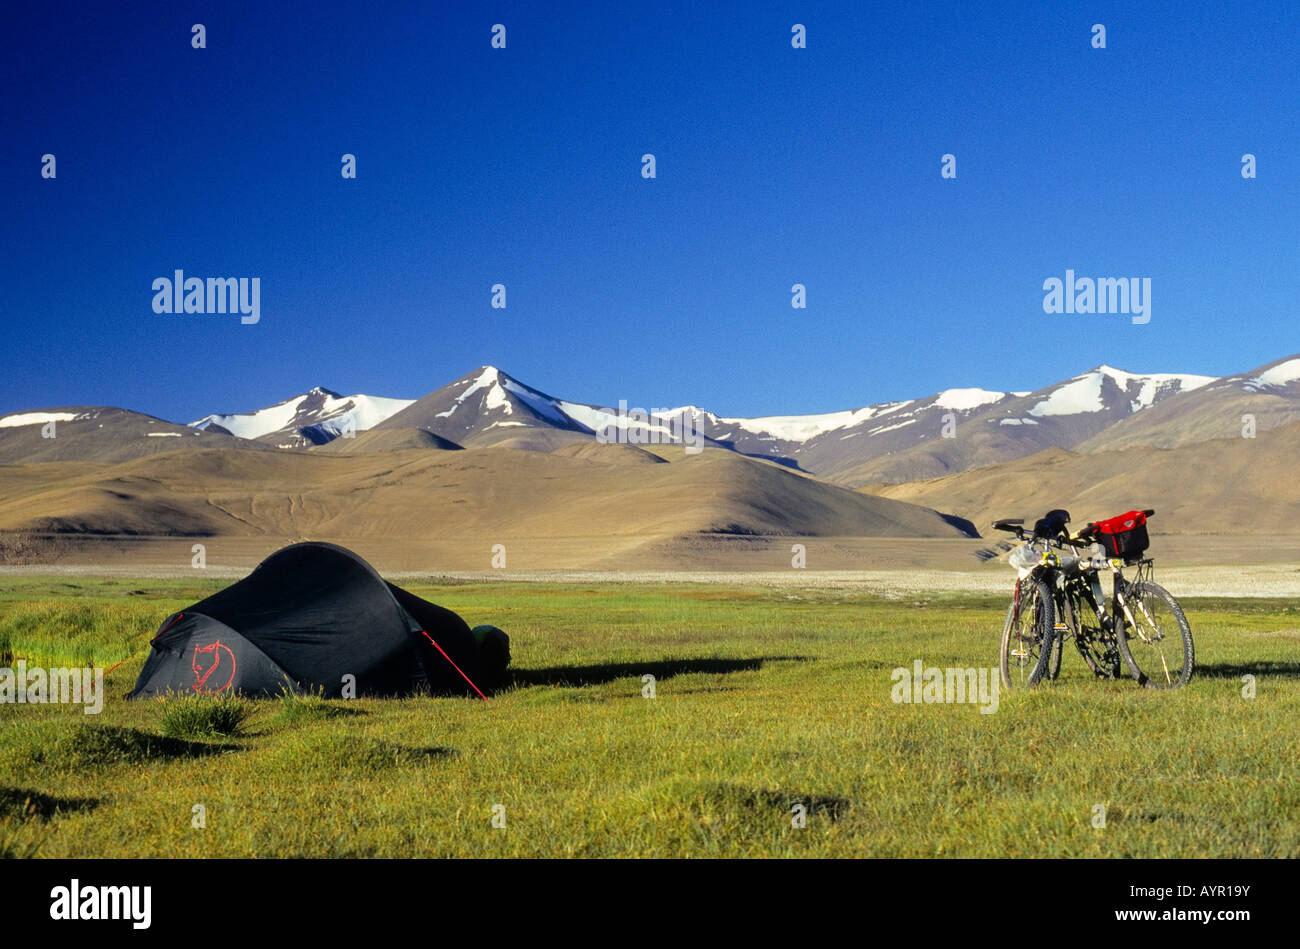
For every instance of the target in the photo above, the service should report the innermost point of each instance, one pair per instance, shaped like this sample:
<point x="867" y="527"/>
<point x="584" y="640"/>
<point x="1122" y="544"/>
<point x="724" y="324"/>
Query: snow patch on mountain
<point x="599" y="419"/>
<point x="966" y="399"/>
<point x="369" y="410"/>
<point x="801" y="428"/>
<point x="1080" y="395"/>
<point x="1280" y="375"/>
<point x="254" y="424"/>
<point x="542" y="405"/>
<point x="890" y="428"/>
<point x="19" y="419"/>
<point x="490" y="376"/>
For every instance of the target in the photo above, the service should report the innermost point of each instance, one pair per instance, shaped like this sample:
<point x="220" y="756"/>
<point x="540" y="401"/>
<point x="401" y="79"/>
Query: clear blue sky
<point x="522" y="166"/>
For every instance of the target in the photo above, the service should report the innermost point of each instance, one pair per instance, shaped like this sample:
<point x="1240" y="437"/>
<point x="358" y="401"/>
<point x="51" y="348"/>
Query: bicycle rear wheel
<point x="1159" y="650"/>
<point x="1027" y="636"/>
<point x="1098" y="646"/>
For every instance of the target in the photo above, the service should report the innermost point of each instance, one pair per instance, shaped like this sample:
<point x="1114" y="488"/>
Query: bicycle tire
<point x="1098" y="646"/>
<point x="1058" y="638"/>
<point x="1027" y="637"/>
<point x="1054" y="666"/>
<point x="1144" y="599"/>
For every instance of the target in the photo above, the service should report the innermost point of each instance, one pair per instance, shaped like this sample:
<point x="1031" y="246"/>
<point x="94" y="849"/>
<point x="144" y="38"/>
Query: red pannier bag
<point x="1124" y="536"/>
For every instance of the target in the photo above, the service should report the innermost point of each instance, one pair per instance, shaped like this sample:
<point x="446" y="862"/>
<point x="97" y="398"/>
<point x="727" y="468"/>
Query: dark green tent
<point x="308" y="618"/>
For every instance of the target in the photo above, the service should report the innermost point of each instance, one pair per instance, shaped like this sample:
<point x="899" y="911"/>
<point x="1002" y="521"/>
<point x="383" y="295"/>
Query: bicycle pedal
<point x="1020" y="653"/>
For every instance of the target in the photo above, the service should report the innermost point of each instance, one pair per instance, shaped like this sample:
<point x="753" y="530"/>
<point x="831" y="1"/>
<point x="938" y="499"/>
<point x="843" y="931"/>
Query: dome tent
<point x="307" y="617"/>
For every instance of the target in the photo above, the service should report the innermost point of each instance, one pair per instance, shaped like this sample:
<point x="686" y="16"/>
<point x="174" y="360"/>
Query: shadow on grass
<point x="610" y="671"/>
<point x="94" y="745"/>
<point x="21" y="804"/>
<point x="334" y="754"/>
<point x="1233" y="670"/>
<point x="433" y="751"/>
<point x="759" y="801"/>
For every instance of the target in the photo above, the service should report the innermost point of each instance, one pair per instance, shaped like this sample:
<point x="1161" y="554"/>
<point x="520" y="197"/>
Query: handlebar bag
<point x="1124" y="536"/>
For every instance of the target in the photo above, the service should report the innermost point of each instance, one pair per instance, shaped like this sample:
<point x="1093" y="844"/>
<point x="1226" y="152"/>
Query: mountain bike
<point x="1058" y="596"/>
<point x="1078" y="604"/>
<point x="1153" y="634"/>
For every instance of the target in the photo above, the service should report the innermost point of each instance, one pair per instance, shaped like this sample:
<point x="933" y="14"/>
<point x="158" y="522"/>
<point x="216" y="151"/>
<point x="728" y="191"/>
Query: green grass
<point x="765" y="698"/>
<point x="204" y="717"/>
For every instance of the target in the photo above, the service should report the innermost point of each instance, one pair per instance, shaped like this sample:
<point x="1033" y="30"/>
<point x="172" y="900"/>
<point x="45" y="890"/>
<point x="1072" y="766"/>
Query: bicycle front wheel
<point x="1027" y="636"/>
<point x="1158" y="649"/>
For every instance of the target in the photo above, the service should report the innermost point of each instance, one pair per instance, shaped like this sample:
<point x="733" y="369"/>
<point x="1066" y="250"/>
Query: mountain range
<point x="487" y="458"/>
<point x="893" y="442"/>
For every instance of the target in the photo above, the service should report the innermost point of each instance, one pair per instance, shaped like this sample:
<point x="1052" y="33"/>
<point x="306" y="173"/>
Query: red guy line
<point x="454" y="666"/>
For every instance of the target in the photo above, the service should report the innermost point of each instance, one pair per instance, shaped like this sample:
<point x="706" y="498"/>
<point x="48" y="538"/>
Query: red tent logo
<point x="214" y="667"/>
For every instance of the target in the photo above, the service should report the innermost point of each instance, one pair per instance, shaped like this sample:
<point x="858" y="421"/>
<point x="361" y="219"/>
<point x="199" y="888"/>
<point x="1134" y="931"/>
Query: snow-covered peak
<point x="501" y="392"/>
<point x="257" y="423"/>
<point x="1086" y="392"/>
<point x="334" y="413"/>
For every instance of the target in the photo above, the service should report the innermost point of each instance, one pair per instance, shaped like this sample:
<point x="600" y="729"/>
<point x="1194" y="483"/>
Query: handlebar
<point x="1015" y="525"/>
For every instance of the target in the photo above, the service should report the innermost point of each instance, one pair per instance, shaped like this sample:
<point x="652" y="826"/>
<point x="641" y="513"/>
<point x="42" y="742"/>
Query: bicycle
<point x="1057" y="585"/>
<point x="1025" y="654"/>
<point x="1154" y="636"/>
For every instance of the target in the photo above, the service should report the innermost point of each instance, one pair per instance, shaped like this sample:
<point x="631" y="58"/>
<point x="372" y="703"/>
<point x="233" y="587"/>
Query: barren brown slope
<point x="107" y="434"/>
<point x="385" y="439"/>
<point x="977" y="445"/>
<point x="1228" y="485"/>
<point x="1197" y="417"/>
<point x="610" y="454"/>
<point x="494" y="493"/>
<point x="1269" y="394"/>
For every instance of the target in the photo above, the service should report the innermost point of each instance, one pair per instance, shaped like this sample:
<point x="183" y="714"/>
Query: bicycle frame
<point x="1145" y="572"/>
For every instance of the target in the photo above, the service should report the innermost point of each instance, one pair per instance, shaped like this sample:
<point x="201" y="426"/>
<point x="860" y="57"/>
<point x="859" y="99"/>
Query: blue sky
<point x="521" y="166"/>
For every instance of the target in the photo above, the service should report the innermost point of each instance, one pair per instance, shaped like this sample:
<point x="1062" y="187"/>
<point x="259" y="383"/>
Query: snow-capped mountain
<point x="886" y="441"/>
<point x="487" y="406"/>
<point x="99" y="433"/>
<point x="952" y="430"/>
<point x="1258" y="400"/>
<point x="904" y="440"/>
<point x="1061" y="415"/>
<point x="312" y="418"/>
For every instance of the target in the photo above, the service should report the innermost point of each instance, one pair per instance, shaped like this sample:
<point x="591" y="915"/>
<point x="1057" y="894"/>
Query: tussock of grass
<point x="218" y="716"/>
